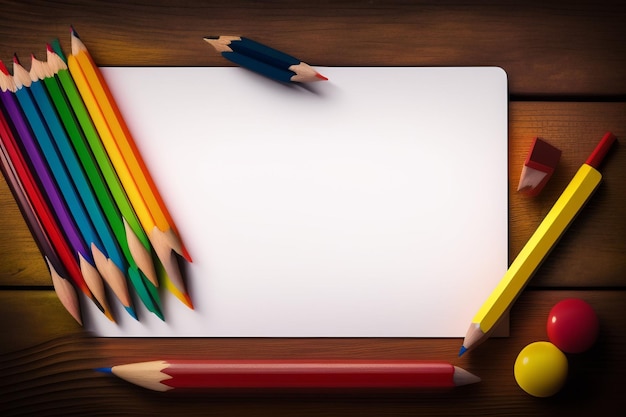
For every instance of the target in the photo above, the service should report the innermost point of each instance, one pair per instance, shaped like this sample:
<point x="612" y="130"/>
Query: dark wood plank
<point x="20" y="260"/>
<point x="547" y="47"/>
<point x="590" y="252"/>
<point x="56" y="377"/>
<point x="33" y="317"/>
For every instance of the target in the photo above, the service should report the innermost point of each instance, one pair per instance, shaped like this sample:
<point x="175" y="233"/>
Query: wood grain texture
<point x="570" y="58"/>
<point x="56" y="377"/>
<point x="591" y="252"/>
<point x="20" y="260"/>
<point x="547" y="47"/>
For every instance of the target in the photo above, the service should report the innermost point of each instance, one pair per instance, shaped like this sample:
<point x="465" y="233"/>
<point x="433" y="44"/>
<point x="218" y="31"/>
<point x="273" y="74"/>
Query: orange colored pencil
<point x="132" y="171"/>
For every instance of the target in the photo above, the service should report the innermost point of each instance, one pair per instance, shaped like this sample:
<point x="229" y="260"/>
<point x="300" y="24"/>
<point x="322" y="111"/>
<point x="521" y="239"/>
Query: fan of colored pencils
<point x="83" y="187"/>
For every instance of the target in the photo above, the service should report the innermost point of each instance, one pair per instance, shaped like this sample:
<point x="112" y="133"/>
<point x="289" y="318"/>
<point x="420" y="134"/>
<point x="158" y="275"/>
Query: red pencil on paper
<point x="311" y="374"/>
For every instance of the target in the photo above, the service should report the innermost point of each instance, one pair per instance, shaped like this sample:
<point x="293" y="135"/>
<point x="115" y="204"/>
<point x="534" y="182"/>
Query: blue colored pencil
<point x="50" y="189"/>
<point x="75" y="189"/>
<point x="143" y="286"/>
<point x="267" y="61"/>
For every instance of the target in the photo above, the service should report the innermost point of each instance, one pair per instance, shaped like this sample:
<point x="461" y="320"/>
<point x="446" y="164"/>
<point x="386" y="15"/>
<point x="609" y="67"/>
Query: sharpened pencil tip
<point x="132" y="312"/>
<point x="206" y="38"/>
<point x="320" y="76"/>
<point x="187" y="301"/>
<point x="3" y="68"/>
<point x="462" y="351"/>
<point x="186" y="255"/>
<point x="109" y="316"/>
<point x="104" y="370"/>
<point x="56" y="48"/>
<point x="159" y="314"/>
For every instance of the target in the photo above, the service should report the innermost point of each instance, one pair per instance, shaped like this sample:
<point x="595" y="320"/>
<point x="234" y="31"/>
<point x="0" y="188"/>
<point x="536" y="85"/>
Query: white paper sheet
<point x="370" y="205"/>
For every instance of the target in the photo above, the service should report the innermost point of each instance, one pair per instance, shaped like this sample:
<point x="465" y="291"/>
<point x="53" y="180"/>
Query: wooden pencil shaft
<point x="102" y="159"/>
<point x="122" y="137"/>
<point x="89" y="136"/>
<point x="57" y="168"/>
<point x="310" y="375"/>
<point x="122" y="151"/>
<point x="52" y="242"/>
<point x="86" y="161"/>
<point x="26" y="207"/>
<point x="263" y="53"/>
<point x="263" y="68"/>
<point x="58" y="275"/>
<point x="558" y="219"/>
<point x="44" y="175"/>
<point x="107" y="243"/>
<point x="316" y="374"/>
<point x="112" y="150"/>
<point x="147" y="295"/>
<point x="107" y="247"/>
<point x="263" y="59"/>
<point x="71" y="198"/>
<point x="539" y="245"/>
<point x="128" y="181"/>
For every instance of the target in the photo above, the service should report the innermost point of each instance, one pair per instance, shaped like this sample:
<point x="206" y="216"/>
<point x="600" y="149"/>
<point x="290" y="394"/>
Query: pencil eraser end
<point x="541" y="161"/>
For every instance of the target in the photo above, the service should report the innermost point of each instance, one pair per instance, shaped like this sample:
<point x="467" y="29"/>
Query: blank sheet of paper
<point x="370" y="205"/>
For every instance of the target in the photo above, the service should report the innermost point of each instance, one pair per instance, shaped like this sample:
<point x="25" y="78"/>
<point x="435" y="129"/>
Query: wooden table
<point x="567" y="80"/>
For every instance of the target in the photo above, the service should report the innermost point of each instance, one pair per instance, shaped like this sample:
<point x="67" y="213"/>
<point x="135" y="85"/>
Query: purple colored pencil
<point x="15" y="113"/>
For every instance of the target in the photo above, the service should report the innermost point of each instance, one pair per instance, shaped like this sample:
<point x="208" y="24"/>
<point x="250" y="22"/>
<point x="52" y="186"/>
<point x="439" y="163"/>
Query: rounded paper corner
<point x="502" y="72"/>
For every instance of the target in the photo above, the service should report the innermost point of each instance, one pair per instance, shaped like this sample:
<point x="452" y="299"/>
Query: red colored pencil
<point x="65" y="291"/>
<point x="312" y="374"/>
<point x="42" y="212"/>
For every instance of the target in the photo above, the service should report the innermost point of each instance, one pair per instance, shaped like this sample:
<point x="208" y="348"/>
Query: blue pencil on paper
<point x="264" y="60"/>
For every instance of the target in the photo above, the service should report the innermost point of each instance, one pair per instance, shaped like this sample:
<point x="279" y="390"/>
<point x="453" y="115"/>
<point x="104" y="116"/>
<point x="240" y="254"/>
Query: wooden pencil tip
<point x="463" y="377"/>
<point x="320" y="76"/>
<point x="185" y="253"/>
<point x="462" y="351"/>
<point x="187" y="301"/>
<point x="104" y="370"/>
<point x="66" y="293"/>
<point x="97" y="303"/>
<point x="109" y="316"/>
<point x="132" y="312"/>
<point x="4" y="69"/>
<point x="94" y="282"/>
<point x="220" y="43"/>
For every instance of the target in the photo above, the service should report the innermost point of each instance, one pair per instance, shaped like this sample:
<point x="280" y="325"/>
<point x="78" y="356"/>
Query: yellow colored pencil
<point x="125" y="157"/>
<point x="123" y="138"/>
<point x="569" y="204"/>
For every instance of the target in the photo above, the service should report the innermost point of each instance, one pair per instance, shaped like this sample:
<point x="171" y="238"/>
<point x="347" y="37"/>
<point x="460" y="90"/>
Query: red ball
<point x="573" y="325"/>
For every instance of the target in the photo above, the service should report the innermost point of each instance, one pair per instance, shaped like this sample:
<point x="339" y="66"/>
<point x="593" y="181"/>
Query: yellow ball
<point x="541" y="369"/>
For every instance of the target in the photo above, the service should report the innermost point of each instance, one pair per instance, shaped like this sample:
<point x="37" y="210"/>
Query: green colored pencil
<point x="112" y="199"/>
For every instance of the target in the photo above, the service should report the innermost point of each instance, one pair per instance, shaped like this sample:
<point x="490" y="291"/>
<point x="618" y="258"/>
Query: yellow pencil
<point x="132" y="172"/>
<point x="574" y="197"/>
